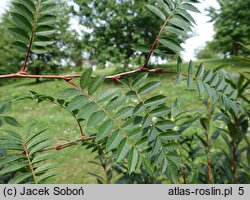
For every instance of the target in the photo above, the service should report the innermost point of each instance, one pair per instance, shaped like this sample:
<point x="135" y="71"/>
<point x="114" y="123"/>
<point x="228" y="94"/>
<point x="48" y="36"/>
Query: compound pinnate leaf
<point x="28" y="4"/>
<point x="13" y="167"/>
<point x="47" y="175"/>
<point x="221" y="85"/>
<point x="12" y="121"/>
<point x="139" y="80"/>
<point x="96" y="118"/>
<point x="207" y="76"/>
<point x="86" y="78"/>
<point x="39" y="51"/>
<point x="180" y="23"/>
<point x="149" y="87"/>
<point x="165" y="125"/>
<point x="125" y="112"/>
<point x="31" y="22"/>
<point x="114" y="140"/>
<point x="23" y="10"/>
<point x="155" y="101"/>
<point x="165" y="6"/>
<point x="171" y="44"/>
<point x="191" y="68"/>
<point x="104" y="130"/>
<point x="96" y="83"/>
<point x="200" y="87"/>
<point x="132" y="160"/>
<point x="190" y="82"/>
<point x="45" y="167"/>
<point x="41" y="147"/>
<point x="158" y="112"/>
<point x="156" y="11"/>
<point x="10" y="159"/>
<point x="176" y="31"/>
<point x="123" y="150"/>
<point x="20" y="46"/>
<point x="200" y="71"/>
<point x="77" y="103"/>
<point x="19" y="34"/>
<point x="215" y="80"/>
<point x="139" y="109"/>
<point x="21" y="22"/>
<point x="107" y="94"/>
<point x="20" y="178"/>
<point x="148" y="166"/>
<point x="190" y="7"/>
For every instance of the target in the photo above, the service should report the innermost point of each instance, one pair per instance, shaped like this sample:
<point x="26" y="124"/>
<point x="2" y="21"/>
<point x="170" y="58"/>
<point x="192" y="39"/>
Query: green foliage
<point x="223" y="138"/>
<point x="231" y="27"/>
<point x="28" y="160"/>
<point x="4" y="108"/>
<point x="57" y="53"/>
<point x="214" y="84"/>
<point x="179" y="23"/>
<point x="243" y="59"/>
<point x="114" y="27"/>
<point x="206" y="52"/>
<point x="125" y="128"/>
<point x="127" y="30"/>
<point x="144" y="174"/>
<point x="10" y="57"/>
<point x="33" y="25"/>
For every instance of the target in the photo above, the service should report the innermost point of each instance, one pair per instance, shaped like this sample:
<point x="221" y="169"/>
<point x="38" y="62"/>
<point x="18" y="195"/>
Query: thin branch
<point x="79" y="125"/>
<point x="155" y="42"/>
<point x="207" y="132"/>
<point x="24" y="75"/>
<point x="32" y="37"/>
<point x="26" y="152"/>
<point x="70" y="77"/>
<point x="106" y="113"/>
<point x="27" y="55"/>
<point x="77" y="121"/>
<point x="120" y="75"/>
<point x="68" y="144"/>
<point x="234" y="163"/>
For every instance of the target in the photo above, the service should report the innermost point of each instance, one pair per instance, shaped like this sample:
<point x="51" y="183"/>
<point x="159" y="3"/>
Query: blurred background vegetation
<point x="107" y="34"/>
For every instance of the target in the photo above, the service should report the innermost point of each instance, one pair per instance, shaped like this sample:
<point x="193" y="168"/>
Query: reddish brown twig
<point x="26" y="152"/>
<point x="234" y="163"/>
<point x="32" y="37"/>
<point x="24" y="75"/>
<point x="155" y="42"/>
<point x="73" y="115"/>
<point x="70" y="77"/>
<point x="68" y="144"/>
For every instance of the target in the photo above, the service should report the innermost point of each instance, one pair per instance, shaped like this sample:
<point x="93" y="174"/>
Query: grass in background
<point x="74" y="161"/>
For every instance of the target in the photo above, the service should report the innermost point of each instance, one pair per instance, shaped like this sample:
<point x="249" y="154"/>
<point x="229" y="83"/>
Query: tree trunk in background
<point x="37" y="71"/>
